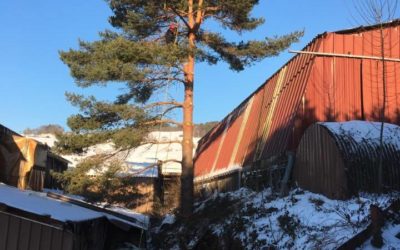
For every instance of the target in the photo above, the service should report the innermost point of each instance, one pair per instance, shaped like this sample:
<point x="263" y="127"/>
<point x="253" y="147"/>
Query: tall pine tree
<point x="155" y="43"/>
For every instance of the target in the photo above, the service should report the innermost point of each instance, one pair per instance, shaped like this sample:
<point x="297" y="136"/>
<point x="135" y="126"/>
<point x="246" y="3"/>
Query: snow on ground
<point x="48" y="139"/>
<point x="305" y="220"/>
<point x="301" y="220"/>
<point x="135" y="159"/>
<point x="391" y="238"/>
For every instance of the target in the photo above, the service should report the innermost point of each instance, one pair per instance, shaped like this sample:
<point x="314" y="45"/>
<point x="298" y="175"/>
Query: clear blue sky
<point x="33" y="80"/>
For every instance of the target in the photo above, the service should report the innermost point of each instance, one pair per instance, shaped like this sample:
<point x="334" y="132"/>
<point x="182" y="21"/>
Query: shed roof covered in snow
<point x="61" y="210"/>
<point x="34" y="220"/>
<point x="39" y="203"/>
<point x="339" y="159"/>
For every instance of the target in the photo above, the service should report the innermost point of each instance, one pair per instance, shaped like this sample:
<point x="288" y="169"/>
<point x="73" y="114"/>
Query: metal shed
<point x="33" y="220"/>
<point x="309" y="88"/>
<point x="341" y="159"/>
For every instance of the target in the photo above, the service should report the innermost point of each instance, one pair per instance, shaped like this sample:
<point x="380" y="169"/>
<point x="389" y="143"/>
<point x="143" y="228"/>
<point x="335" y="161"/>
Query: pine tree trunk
<point x="186" y="204"/>
<point x="187" y="153"/>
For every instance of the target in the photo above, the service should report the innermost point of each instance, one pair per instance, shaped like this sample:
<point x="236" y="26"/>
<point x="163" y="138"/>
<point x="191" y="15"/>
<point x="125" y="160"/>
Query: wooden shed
<point x="26" y="163"/>
<point x="340" y="159"/>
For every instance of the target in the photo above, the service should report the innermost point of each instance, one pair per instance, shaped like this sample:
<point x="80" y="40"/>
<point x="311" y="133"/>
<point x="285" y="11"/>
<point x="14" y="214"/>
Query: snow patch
<point x="39" y="203"/>
<point x="366" y="131"/>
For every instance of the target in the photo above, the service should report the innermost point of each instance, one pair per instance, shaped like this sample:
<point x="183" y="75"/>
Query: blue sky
<point x="33" y="80"/>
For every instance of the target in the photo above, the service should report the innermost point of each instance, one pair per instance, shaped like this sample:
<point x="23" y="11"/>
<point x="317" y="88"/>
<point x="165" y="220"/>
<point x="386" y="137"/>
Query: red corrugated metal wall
<point x="307" y="89"/>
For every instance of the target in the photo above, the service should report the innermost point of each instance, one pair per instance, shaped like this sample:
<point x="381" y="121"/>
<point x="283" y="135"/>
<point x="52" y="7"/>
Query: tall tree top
<point x="148" y="49"/>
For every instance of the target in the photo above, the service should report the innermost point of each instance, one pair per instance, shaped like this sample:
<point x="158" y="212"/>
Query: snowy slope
<point x="301" y="220"/>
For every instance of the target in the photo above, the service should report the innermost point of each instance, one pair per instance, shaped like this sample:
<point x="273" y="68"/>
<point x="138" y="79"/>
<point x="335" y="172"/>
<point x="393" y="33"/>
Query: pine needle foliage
<point x="137" y="54"/>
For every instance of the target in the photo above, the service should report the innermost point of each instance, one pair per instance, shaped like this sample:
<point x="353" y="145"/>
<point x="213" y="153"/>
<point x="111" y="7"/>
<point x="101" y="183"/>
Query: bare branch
<point x="156" y="104"/>
<point x="166" y="111"/>
<point x="155" y="122"/>
<point x="163" y="79"/>
<point x="214" y="8"/>
<point x="171" y="160"/>
<point x="180" y="14"/>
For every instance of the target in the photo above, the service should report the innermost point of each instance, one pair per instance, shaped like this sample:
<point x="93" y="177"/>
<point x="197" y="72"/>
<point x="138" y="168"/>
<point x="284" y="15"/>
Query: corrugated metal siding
<point x="290" y="96"/>
<point x="319" y="165"/>
<point x="260" y="118"/>
<point x="306" y="90"/>
<point x="361" y="161"/>
<point x="246" y="148"/>
<point x="21" y="233"/>
<point x="338" y="166"/>
<point x="227" y="145"/>
<point x="211" y="148"/>
<point x="6" y="131"/>
<point x="342" y="89"/>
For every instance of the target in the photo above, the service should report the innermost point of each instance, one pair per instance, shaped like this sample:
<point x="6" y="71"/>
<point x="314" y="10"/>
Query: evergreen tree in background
<point x="156" y="43"/>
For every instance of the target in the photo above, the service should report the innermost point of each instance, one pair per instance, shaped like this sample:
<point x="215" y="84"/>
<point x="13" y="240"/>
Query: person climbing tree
<point x="171" y="33"/>
<point x="139" y="52"/>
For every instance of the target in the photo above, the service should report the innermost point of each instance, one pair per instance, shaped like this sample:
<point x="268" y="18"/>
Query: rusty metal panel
<point x="289" y="101"/>
<point x="223" y="138"/>
<point x="207" y="158"/>
<point x="247" y="146"/>
<point x="309" y="89"/>
<point x="231" y="138"/>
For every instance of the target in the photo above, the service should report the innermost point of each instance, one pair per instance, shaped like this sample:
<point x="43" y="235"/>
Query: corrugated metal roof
<point x="305" y="90"/>
<point x="4" y="130"/>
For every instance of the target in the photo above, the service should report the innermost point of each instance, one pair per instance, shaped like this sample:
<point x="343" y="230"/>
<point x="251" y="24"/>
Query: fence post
<point x="288" y="171"/>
